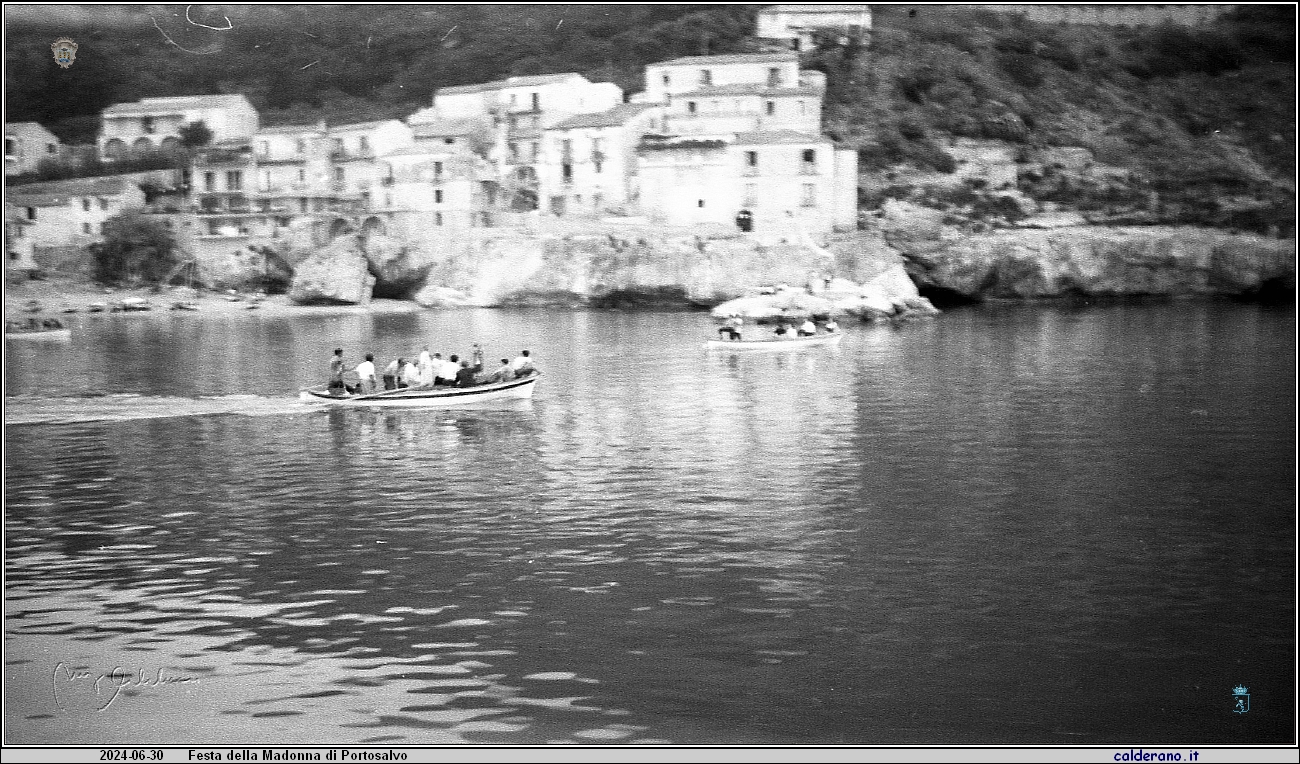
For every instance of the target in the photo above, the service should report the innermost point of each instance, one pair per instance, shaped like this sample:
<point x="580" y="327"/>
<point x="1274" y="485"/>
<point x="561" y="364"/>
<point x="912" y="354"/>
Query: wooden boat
<point x="49" y="335"/>
<point x="775" y="343"/>
<point x="438" y="397"/>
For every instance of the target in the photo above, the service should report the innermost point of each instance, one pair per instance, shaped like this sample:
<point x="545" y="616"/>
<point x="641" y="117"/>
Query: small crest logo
<point x="1241" y="699"/>
<point x="65" y="52"/>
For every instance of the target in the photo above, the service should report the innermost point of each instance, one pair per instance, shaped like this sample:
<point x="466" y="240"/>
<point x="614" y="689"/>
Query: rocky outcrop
<point x="399" y="269"/>
<point x="888" y="295"/>
<point x="1096" y="261"/>
<point x="336" y="275"/>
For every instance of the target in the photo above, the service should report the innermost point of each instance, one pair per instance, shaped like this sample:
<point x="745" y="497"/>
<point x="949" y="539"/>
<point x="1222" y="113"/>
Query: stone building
<point x="796" y="24"/>
<point x="155" y="123"/>
<point x="589" y="160"/>
<point x="26" y="144"/>
<point x="68" y="215"/>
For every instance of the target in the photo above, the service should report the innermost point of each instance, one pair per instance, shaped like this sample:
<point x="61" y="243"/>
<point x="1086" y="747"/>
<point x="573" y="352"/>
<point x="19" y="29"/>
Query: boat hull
<point x="447" y="397"/>
<point x="775" y="345"/>
<point x="50" y="335"/>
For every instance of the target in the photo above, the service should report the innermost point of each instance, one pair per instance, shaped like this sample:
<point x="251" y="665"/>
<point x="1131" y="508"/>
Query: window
<point x="50" y="148"/>
<point x="802" y="108"/>
<point x="596" y="165"/>
<point x="566" y="171"/>
<point x="566" y="147"/>
<point x="85" y="204"/>
<point x="31" y="213"/>
<point x="513" y="99"/>
<point x="751" y="194"/>
<point x="101" y="227"/>
<point x="437" y="196"/>
<point x="264" y="147"/>
<point x="209" y="181"/>
<point x="365" y="144"/>
<point x="85" y="227"/>
<point x="706" y="77"/>
<point x="11" y="147"/>
<point x="339" y="176"/>
<point x="302" y="146"/>
<point x="751" y="159"/>
<point x="809" y="155"/>
<point x="302" y="175"/>
<point x="809" y="195"/>
<point x="700" y="204"/>
<point x="437" y="218"/>
<point x="514" y="152"/>
<point x="449" y="141"/>
<point x="533" y="148"/>
<point x="302" y="203"/>
<point x="103" y="203"/>
<point x="771" y="108"/>
<point x="667" y="80"/>
<point x="537" y="101"/>
<point x="690" y="107"/>
<point x="597" y="200"/>
<point x="773" y="77"/>
<point x="146" y="124"/>
<point x="437" y="169"/>
<point x="234" y="180"/>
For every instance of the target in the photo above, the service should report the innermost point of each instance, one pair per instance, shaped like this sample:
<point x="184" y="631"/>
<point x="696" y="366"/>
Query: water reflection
<point x="667" y="545"/>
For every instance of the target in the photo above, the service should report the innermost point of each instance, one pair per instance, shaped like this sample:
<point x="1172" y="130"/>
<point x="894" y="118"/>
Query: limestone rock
<point x="433" y="296"/>
<point x="336" y="275"/>
<point x="788" y="304"/>
<point x="399" y="270"/>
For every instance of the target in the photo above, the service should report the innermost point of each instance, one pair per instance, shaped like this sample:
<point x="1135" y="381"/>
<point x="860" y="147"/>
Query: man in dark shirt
<point x="465" y="376"/>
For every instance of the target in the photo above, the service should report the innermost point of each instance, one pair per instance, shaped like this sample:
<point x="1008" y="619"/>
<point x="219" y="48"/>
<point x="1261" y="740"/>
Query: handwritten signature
<point x="68" y="681"/>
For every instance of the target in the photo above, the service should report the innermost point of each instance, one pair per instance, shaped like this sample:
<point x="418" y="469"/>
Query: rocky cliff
<point x="1102" y="262"/>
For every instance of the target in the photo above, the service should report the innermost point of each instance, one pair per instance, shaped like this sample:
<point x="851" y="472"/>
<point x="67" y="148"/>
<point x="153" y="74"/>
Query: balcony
<point x="347" y="155"/>
<point x="224" y="156"/>
<point x="280" y="158"/>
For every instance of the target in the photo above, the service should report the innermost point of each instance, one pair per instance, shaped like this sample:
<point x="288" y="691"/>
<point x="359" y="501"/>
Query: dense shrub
<point x="135" y="250"/>
<point x="1022" y="68"/>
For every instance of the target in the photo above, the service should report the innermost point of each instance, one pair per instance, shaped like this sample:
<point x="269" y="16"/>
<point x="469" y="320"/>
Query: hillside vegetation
<point x="1204" y="119"/>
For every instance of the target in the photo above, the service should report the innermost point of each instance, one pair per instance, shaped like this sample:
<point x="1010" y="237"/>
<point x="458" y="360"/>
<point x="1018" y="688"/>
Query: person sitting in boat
<point x="732" y="328"/>
<point x="830" y="326"/>
<point x="476" y="358"/>
<point x="523" y="365"/>
<point x="390" y="374"/>
<point x="783" y="331"/>
<point x="366" y="371"/>
<point x="410" y="376"/>
<point x="447" y="376"/>
<point x="465" y="375"/>
<point x="501" y="373"/>
<point x="807" y="328"/>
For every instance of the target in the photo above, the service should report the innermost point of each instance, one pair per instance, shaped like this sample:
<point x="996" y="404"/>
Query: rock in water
<point x="399" y="270"/>
<point x="337" y="275"/>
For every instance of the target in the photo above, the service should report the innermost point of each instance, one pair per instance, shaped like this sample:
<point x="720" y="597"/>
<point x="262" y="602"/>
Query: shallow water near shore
<point x="1011" y="524"/>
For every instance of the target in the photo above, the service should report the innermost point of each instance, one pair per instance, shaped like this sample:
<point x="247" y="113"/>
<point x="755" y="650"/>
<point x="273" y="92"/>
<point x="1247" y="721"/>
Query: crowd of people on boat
<point x="426" y="372"/>
<point x="34" y="325"/>
<point x="732" y="328"/>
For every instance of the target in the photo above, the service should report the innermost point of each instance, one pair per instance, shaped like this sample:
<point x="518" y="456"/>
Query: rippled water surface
<point x="1007" y="525"/>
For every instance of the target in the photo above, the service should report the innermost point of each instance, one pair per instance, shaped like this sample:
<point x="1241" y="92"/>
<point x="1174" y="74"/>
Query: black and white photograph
<point x="384" y="382"/>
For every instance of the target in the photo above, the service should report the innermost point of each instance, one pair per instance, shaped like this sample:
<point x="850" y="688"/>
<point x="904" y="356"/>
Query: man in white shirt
<point x="366" y="370"/>
<point x="410" y="375"/>
<point x="523" y="365"/>
<point x="447" y="372"/>
<point x="807" y="328"/>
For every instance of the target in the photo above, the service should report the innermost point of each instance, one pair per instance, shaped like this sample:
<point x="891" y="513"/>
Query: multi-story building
<point x="434" y="193"/>
<point x="589" y="162"/>
<point x="19" y="249"/>
<point x="356" y="151"/>
<point x="71" y="213"/>
<point x="685" y="75"/>
<point x="520" y="109"/>
<point x="796" y="24"/>
<point x="780" y="182"/>
<point x="155" y="123"/>
<point x="26" y="144"/>
<point x="742" y="146"/>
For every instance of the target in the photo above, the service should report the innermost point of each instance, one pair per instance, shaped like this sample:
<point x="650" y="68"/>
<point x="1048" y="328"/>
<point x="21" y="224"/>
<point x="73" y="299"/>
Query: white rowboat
<point x="49" y="335"/>
<point x="438" y="397"/>
<point x="775" y="344"/>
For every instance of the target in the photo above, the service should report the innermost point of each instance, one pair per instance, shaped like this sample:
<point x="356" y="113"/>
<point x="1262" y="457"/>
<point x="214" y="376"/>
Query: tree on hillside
<point x="195" y="134"/>
<point x="135" y="250"/>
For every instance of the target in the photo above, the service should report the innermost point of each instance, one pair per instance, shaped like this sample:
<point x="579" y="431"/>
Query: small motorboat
<point x="776" y="343"/>
<point x="437" y="397"/>
<point x="51" y="329"/>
